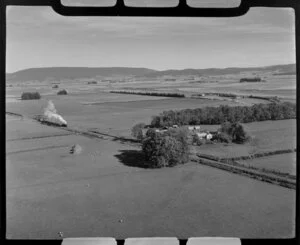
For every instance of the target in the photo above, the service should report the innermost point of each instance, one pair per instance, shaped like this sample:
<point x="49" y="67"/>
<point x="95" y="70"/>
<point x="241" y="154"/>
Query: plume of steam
<point x="50" y="108"/>
<point x="52" y="116"/>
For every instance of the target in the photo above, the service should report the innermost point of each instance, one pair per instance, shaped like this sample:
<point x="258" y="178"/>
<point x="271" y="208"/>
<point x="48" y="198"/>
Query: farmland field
<point x="102" y="185"/>
<point x="117" y="117"/>
<point x="265" y="136"/>
<point x="96" y="147"/>
<point x="285" y="163"/>
<point x="98" y="188"/>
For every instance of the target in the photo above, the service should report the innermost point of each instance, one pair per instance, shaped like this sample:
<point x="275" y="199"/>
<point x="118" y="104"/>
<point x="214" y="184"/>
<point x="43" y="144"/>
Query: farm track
<point x="255" y="174"/>
<point x="38" y="149"/>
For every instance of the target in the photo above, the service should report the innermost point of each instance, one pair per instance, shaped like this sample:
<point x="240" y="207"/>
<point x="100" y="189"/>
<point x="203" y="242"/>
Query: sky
<point x="39" y="37"/>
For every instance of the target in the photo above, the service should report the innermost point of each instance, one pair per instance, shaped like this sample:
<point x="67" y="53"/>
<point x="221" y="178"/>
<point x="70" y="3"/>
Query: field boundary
<point x="38" y="137"/>
<point x="38" y="149"/>
<point x="252" y="173"/>
<point x="234" y="161"/>
<point x="249" y="157"/>
<point x="14" y="114"/>
<point x="236" y="96"/>
<point x="151" y="93"/>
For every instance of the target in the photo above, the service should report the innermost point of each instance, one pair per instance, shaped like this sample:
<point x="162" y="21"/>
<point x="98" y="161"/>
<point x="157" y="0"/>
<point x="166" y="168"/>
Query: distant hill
<point x="287" y="69"/>
<point x="59" y="73"/>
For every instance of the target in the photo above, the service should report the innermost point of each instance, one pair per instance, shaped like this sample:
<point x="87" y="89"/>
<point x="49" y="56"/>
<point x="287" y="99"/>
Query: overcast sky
<point x="38" y="37"/>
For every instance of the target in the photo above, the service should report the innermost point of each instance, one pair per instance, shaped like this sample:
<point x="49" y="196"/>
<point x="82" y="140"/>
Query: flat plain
<point x="102" y="188"/>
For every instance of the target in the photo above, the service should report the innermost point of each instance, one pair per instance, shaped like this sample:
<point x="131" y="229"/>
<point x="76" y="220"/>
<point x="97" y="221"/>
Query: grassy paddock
<point x="285" y="163"/>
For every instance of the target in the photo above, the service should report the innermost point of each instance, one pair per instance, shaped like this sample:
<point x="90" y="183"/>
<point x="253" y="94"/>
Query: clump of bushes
<point x="233" y="132"/>
<point x="165" y="150"/>
<point x="55" y="86"/>
<point x="196" y="140"/>
<point x="62" y="92"/>
<point x="250" y="79"/>
<point x="137" y="131"/>
<point x="92" y="82"/>
<point x="221" y="137"/>
<point x="30" y="96"/>
<point x="229" y="95"/>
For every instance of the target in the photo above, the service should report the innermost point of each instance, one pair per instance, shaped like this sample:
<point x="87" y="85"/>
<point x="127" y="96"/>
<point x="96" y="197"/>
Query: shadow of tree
<point x="132" y="158"/>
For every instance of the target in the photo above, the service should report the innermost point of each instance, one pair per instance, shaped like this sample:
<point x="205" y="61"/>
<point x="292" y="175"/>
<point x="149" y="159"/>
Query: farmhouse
<point x="161" y="130"/>
<point x="204" y="135"/>
<point x="209" y="136"/>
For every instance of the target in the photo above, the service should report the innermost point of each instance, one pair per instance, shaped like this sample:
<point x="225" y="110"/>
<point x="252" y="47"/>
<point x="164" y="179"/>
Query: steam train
<point x="52" y="119"/>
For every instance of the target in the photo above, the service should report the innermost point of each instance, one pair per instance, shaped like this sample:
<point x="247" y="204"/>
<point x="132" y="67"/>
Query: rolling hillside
<point x="290" y="68"/>
<point x="58" y="73"/>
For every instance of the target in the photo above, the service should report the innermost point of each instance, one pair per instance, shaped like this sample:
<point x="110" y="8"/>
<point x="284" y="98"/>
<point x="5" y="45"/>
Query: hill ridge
<point x="57" y="73"/>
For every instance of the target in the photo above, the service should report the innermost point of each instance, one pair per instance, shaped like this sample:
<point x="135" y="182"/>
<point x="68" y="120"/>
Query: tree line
<point x="150" y="93"/>
<point x="218" y="115"/>
<point x="254" y="79"/>
<point x="30" y="96"/>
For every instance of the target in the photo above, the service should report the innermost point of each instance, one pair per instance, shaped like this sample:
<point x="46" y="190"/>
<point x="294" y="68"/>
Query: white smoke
<point x="50" y="108"/>
<point x="51" y="115"/>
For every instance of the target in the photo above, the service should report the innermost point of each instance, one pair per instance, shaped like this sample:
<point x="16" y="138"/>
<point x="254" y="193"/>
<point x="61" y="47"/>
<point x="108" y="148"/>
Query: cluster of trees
<point x="137" y="131"/>
<point x="234" y="96"/>
<point x="223" y="95"/>
<point x="162" y="149"/>
<point x="227" y="133"/>
<point x="254" y="79"/>
<point x="30" y="96"/>
<point x="203" y="81"/>
<point x="62" y="92"/>
<point x="218" y="115"/>
<point x="92" y="82"/>
<point x="167" y="149"/>
<point x="151" y="93"/>
<point x="271" y="99"/>
<point x="232" y="132"/>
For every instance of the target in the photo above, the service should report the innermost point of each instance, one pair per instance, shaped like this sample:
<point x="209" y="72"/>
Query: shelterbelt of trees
<point x="217" y="115"/>
<point x="150" y="93"/>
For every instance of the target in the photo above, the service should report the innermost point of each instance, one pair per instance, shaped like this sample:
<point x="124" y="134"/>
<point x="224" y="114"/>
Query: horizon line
<point x="95" y="67"/>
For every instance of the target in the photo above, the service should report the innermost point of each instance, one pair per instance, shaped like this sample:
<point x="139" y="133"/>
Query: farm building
<point x="209" y="136"/>
<point x="161" y="130"/>
<point x="195" y="127"/>
<point x="204" y="135"/>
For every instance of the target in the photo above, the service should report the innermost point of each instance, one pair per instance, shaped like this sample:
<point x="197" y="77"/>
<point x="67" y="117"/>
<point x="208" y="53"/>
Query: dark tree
<point x="137" y="131"/>
<point x="30" y="96"/>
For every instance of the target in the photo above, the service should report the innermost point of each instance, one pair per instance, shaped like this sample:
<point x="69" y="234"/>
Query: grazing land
<point x="264" y="137"/>
<point x="103" y="189"/>
<point x="49" y="186"/>
<point x="280" y="163"/>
